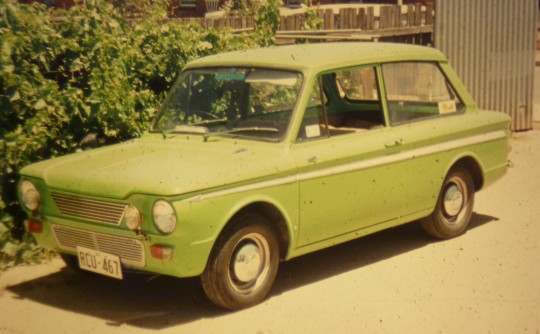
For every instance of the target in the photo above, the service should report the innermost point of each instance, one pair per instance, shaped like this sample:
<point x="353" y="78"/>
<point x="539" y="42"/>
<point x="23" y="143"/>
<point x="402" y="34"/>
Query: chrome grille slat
<point x="93" y="217"/>
<point x="75" y="200"/>
<point x="88" y="210"/>
<point x="94" y="210"/>
<point x="130" y="251"/>
<point x="116" y="249"/>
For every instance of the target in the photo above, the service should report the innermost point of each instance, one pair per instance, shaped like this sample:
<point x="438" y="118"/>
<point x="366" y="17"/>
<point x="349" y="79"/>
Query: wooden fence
<point x="411" y="23"/>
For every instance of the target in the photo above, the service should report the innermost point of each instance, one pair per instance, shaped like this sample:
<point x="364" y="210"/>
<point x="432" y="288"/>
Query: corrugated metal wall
<point x="491" y="45"/>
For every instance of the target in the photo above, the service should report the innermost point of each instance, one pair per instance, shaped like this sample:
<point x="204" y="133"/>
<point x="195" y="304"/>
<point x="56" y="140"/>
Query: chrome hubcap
<point x="453" y="200"/>
<point x="247" y="263"/>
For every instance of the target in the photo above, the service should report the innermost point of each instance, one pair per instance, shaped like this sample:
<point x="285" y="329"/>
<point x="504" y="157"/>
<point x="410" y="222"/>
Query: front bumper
<point x="136" y="252"/>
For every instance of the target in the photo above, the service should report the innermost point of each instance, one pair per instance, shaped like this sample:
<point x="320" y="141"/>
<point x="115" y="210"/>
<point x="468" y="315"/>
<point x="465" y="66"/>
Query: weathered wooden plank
<point x="351" y="13"/>
<point x="282" y="23"/>
<point x="362" y="19"/>
<point x="418" y="14"/>
<point x="429" y="14"/>
<point x="352" y="18"/>
<point x="289" y="23"/>
<point x="370" y="18"/>
<point x="410" y="15"/>
<point x="341" y="19"/>
<point x="382" y="17"/>
<point x="398" y="22"/>
<point x="404" y="31"/>
<point x="394" y="16"/>
<point x="386" y="18"/>
<point x="327" y="37"/>
<point x="380" y="32"/>
<point x="329" y="19"/>
<point x="389" y="17"/>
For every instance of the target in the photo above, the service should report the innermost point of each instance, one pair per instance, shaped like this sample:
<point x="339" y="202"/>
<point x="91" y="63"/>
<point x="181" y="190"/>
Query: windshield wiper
<point x="195" y="128"/>
<point x="200" y="130"/>
<point x="236" y="130"/>
<point x="252" y="128"/>
<point x="210" y="121"/>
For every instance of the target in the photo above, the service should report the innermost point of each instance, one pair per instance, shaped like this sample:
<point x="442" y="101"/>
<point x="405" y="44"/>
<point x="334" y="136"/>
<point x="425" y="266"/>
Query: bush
<point x="89" y="71"/>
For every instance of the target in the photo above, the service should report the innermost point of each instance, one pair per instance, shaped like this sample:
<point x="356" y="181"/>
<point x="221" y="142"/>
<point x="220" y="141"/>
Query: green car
<point x="261" y="156"/>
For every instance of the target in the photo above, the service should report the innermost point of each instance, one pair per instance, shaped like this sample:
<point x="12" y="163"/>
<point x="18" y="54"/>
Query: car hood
<point x="165" y="167"/>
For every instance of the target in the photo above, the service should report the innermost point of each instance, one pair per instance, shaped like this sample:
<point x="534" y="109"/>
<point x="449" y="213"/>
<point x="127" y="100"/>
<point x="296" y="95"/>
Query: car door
<point x="346" y="172"/>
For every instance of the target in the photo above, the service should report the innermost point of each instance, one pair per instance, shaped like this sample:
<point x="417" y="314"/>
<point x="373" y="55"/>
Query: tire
<point x="454" y="207"/>
<point x="229" y="280"/>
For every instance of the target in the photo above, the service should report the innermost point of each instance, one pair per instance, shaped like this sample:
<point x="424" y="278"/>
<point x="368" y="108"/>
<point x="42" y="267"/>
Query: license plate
<point x="99" y="262"/>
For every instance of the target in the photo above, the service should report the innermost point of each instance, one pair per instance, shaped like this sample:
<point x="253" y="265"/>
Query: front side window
<point x="342" y="102"/>
<point x="242" y="102"/>
<point x="417" y="90"/>
<point x="358" y="84"/>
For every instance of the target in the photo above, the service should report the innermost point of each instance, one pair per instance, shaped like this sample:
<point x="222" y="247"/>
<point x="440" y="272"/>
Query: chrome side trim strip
<point x="359" y="165"/>
<point x="402" y="156"/>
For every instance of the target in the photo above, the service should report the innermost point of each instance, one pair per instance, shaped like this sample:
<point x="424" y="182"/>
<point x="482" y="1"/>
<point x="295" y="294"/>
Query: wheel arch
<point x="274" y="215"/>
<point x="474" y="167"/>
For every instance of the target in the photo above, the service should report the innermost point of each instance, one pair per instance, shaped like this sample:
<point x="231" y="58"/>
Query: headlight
<point x="132" y="218"/>
<point x="29" y="195"/>
<point x="164" y="217"/>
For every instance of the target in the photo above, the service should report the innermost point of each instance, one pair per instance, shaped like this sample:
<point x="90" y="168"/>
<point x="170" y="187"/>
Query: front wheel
<point x="243" y="264"/>
<point x="454" y="207"/>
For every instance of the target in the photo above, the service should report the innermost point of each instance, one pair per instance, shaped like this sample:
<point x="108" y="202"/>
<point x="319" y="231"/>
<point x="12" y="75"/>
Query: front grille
<point x="98" y="211"/>
<point x="130" y="251"/>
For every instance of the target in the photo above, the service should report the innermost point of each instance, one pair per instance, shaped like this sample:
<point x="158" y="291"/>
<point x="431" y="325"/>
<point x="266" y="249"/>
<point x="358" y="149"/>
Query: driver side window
<point x="313" y="123"/>
<point x="343" y="102"/>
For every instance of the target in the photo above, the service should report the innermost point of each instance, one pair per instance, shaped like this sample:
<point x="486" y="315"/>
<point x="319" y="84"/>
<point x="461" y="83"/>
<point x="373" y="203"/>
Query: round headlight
<point x="132" y="218"/>
<point x="29" y="195"/>
<point x="164" y="217"/>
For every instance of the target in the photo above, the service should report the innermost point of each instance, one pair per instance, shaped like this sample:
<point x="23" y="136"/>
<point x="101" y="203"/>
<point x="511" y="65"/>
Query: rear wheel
<point x="454" y="207"/>
<point x="243" y="264"/>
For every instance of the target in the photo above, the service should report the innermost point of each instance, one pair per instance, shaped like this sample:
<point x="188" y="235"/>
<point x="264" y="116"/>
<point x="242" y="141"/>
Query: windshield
<point x="242" y="102"/>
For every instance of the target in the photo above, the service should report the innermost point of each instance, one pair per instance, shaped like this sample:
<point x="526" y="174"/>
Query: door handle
<point x="393" y="143"/>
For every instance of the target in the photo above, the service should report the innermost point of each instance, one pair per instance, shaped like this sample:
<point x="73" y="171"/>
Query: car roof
<point x="321" y="56"/>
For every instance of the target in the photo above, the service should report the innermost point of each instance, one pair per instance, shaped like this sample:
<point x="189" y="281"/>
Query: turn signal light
<point x="161" y="252"/>
<point x="33" y="226"/>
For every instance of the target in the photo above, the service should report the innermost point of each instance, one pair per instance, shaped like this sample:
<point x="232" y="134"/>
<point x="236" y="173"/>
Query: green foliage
<point x="312" y="20"/>
<point x="238" y="8"/>
<point x="267" y="21"/>
<point x="90" y="71"/>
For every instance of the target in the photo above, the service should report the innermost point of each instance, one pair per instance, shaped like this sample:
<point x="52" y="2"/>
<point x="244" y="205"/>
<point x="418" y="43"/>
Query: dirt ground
<point x="396" y="281"/>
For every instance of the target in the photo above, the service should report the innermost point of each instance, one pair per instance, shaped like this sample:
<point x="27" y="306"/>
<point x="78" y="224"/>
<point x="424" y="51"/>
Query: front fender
<point x="202" y="218"/>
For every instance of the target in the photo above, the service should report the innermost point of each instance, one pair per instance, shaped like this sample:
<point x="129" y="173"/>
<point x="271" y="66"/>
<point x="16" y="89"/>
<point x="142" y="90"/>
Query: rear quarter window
<point x="418" y="90"/>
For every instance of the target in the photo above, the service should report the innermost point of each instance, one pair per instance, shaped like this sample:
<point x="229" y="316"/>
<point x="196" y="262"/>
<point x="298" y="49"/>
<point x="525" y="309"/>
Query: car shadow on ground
<point x="157" y="302"/>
